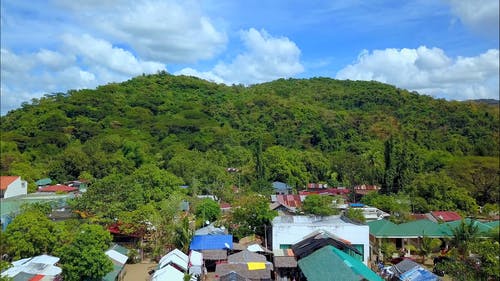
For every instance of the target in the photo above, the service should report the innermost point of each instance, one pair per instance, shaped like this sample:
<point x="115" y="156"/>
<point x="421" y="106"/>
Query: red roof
<point x="289" y="200"/>
<point x="419" y="216"/>
<point x="37" y="277"/>
<point x="325" y="191"/>
<point x="58" y="188"/>
<point x="446" y="216"/>
<point x="5" y="181"/>
<point x="224" y="205"/>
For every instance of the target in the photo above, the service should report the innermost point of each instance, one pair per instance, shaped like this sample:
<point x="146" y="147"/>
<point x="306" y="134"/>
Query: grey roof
<point x="285" y="262"/>
<point x="242" y="269"/>
<point x="214" y="254"/>
<point x="281" y="185"/>
<point x="404" y="266"/>
<point x="232" y="276"/>
<point x="246" y="256"/>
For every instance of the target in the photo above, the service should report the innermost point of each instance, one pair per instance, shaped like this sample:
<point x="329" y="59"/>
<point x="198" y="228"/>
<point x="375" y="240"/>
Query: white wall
<point x="292" y="229"/>
<point x="16" y="188"/>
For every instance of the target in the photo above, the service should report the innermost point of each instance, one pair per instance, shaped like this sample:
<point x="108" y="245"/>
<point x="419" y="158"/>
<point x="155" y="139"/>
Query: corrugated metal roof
<point x="329" y="263"/>
<point x="5" y="181"/>
<point x="446" y="216"/>
<point x="211" y="242"/>
<point x="418" y="228"/>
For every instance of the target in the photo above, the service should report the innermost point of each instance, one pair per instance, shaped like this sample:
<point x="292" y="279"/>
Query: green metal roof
<point x="493" y="224"/>
<point x="327" y="264"/>
<point x="112" y="275"/>
<point x="44" y="181"/>
<point x="412" y="229"/>
<point x="356" y="265"/>
<point x="382" y="228"/>
<point x="483" y="227"/>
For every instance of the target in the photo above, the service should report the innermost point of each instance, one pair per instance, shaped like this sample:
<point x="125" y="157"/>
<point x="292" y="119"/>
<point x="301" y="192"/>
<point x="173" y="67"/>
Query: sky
<point x="442" y="48"/>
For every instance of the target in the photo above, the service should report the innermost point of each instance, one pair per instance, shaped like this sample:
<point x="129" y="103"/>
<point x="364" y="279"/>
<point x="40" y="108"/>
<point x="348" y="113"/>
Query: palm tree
<point x="463" y="234"/>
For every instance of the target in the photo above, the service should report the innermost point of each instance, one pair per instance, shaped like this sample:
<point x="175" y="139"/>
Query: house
<point x="285" y="264"/>
<point x="119" y="257"/>
<point x="317" y="185"/>
<point x="326" y="191"/>
<point x="213" y="247"/>
<point x="320" y="238"/>
<point x="196" y="264"/>
<point x="247" y="264"/>
<point x="175" y="258"/>
<point x="43" y="182"/>
<point x="281" y="188"/>
<point x="288" y="230"/>
<point x="330" y="263"/>
<point x="409" y="270"/>
<point x="168" y="273"/>
<point x="363" y="189"/>
<point x="444" y="216"/>
<point x="286" y="204"/>
<point x="225" y="207"/>
<point x="370" y="213"/>
<point x="82" y="185"/>
<point x="11" y="186"/>
<point x="211" y="229"/>
<point x="58" y="188"/>
<point x="36" y="268"/>
<point x="405" y="233"/>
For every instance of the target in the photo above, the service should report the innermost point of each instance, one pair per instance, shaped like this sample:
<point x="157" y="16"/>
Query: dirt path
<point x="138" y="271"/>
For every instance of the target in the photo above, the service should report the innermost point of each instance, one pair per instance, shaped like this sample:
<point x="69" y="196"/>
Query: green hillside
<point x="173" y="130"/>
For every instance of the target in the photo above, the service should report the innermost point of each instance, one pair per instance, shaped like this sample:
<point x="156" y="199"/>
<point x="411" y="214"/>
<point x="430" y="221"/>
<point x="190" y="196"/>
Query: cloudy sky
<point x="443" y="48"/>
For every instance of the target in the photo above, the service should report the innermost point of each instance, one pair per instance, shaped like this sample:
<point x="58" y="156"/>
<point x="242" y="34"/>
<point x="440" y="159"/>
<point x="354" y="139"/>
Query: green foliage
<point x="30" y="233"/>
<point x="387" y="249"/>
<point x="251" y="215"/>
<point x="183" y="130"/>
<point x="427" y="245"/>
<point x="355" y="215"/>
<point x="318" y="205"/>
<point x="207" y="209"/>
<point x="464" y="234"/>
<point x="84" y="258"/>
<point x="398" y="205"/>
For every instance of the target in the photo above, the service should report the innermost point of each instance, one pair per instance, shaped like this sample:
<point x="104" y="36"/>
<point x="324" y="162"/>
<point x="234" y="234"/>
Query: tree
<point x="84" y="258"/>
<point x="427" y="244"/>
<point x="251" y="214"/>
<point x="30" y="233"/>
<point x="463" y="234"/>
<point x="387" y="249"/>
<point x="318" y="205"/>
<point x="207" y="209"/>
<point x="355" y="215"/>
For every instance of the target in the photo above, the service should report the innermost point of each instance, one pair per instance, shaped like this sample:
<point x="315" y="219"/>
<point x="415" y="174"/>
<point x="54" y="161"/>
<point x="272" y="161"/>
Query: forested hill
<point x="295" y="131"/>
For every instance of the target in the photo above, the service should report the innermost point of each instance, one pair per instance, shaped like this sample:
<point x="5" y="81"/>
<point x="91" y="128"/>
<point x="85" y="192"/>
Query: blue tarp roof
<point x="211" y="242"/>
<point x="419" y="274"/>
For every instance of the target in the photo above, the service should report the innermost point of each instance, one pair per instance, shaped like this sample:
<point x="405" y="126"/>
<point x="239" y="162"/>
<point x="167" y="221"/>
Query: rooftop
<point x="6" y="181"/>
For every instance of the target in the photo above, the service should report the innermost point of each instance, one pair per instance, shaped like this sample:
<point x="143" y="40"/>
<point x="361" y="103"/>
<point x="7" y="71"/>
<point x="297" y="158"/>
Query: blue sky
<point x="446" y="49"/>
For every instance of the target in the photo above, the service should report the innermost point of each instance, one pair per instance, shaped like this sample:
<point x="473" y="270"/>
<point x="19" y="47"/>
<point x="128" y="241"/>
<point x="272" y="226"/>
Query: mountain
<point x="295" y="131"/>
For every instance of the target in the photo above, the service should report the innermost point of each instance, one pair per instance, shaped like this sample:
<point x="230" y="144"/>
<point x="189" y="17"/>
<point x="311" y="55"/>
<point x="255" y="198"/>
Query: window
<point x="285" y="246"/>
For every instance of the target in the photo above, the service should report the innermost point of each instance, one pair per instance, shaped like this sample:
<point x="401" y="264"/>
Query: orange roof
<point x="6" y="181"/>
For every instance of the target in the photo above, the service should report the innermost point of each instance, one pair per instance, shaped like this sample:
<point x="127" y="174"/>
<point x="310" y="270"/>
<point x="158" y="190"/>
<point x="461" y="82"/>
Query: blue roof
<point x="211" y="242"/>
<point x="281" y="185"/>
<point x="355" y="205"/>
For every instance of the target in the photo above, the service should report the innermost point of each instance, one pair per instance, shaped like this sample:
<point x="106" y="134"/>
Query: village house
<point x="36" y="268"/>
<point x="118" y="256"/>
<point x="288" y="230"/>
<point x="11" y="186"/>
<point x="281" y="188"/>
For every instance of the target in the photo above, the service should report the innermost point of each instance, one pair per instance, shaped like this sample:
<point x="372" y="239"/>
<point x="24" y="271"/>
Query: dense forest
<point x="139" y="140"/>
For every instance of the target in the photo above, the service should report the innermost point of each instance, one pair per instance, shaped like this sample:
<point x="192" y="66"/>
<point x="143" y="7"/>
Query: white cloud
<point x="429" y="71"/>
<point x="27" y="76"/>
<point x="101" y="52"/>
<point x="265" y="58"/>
<point x="480" y="15"/>
<point x="168" y="31"/>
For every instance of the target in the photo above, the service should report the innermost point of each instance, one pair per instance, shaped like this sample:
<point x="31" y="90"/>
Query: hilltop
<point x="296" y="131"/>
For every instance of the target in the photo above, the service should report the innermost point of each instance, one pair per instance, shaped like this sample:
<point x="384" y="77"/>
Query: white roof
<point x="178" y="253"/>
<point x="173" y="258"/>
<point x="195" y="258"/>
<point x="120" y="258"/>
<point x="255" y="248"/>
<point x="43" y="265"/>
<point x="168" y="273"/>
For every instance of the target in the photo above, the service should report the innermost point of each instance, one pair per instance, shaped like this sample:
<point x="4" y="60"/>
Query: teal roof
<point x="412" y="229"/>
<point x="483" y="227"/>
<point x="382" y="228"/>
<point x="356" y="265"/>
<point x="120" y="249"/>
<point x="112" y="275"/>
<point x="328" y="264"/>
<point x="493" y="224"/>
<point x="44" y="181"/>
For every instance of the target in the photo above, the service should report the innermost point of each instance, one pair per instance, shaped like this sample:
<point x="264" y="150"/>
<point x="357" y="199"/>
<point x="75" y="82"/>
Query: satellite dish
<point x="227" y="245"/>
<point x="207" y="222"/>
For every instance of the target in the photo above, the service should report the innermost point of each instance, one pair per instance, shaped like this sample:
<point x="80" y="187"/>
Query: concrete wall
<point x="16" y="188"/>
<point x="292" y="229"/>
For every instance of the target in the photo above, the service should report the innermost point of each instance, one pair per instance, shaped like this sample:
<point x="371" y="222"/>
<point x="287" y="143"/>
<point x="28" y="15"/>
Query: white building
<point x="11" y="186"/>
<point x="288" y="230"/>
